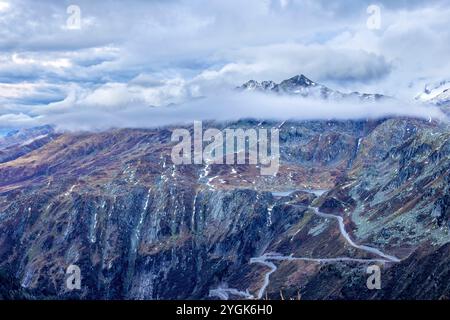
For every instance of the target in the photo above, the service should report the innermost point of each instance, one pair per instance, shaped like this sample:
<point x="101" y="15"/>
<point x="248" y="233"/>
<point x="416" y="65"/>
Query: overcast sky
<point x="135" y="54"/>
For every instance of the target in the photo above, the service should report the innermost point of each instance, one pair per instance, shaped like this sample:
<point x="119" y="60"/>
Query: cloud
<point x="4" y="6"/>
<point x="226" y="106"/>
<point x="12" y="121"/>
<point x="129" y="56"/>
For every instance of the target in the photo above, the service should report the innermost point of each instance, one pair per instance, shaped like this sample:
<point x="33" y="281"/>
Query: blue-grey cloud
<point x="162" y="52"/>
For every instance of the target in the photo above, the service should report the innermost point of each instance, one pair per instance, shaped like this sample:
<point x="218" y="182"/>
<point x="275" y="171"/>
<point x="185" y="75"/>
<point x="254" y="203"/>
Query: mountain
<point x="349" y="194"/>
<point x="19" y="142"/>
<point x="306" y="88"/>
<point x="24" y="136"/>
<point x="437" y="94"/>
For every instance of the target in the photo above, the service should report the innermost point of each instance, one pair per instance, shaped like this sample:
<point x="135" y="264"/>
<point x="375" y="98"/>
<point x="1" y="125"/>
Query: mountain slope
<point x="140" y="227"/>
<point x="437" y="94"/>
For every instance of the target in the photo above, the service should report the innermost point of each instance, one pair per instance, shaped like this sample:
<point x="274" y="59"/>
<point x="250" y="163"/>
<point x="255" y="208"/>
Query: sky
<point x="98" y="64"/>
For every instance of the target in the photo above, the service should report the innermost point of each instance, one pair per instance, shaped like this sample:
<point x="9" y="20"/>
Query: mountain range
<point x="301" y="86"/>
<point x="348" y="195"/>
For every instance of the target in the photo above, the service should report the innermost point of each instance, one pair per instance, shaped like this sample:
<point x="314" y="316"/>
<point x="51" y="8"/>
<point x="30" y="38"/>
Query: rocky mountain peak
<point x="298" y="80"/>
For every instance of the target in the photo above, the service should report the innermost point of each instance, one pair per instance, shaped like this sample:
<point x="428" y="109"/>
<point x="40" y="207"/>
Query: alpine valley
<point x="349" y="194"/>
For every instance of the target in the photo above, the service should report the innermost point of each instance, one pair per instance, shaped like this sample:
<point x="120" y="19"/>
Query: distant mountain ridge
<point x="437" y="93"/>
<point x="304" y="87"/>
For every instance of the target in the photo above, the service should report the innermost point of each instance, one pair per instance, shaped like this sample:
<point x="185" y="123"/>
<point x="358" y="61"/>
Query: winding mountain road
<point x="268" y="258"/>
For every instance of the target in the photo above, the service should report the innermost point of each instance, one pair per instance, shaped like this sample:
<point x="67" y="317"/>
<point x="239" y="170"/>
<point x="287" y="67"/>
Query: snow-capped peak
<point x="437" y="93"/>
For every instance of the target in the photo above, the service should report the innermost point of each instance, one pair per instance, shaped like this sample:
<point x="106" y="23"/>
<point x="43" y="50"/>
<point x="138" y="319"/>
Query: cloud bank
<point x="226" y="106"/>
<point x="127" y="57"/>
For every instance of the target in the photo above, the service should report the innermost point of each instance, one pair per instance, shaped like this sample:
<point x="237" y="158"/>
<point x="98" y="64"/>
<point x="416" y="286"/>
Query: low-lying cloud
<point x="224" y="106"/>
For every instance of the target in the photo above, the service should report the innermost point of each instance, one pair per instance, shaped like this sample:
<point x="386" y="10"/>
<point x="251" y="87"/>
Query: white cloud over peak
<point x="137" y="54"/>
<point x="226" y="106"/>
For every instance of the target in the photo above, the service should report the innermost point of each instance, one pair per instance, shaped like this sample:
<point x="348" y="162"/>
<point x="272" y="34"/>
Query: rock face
<point x="140" y="227"/>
